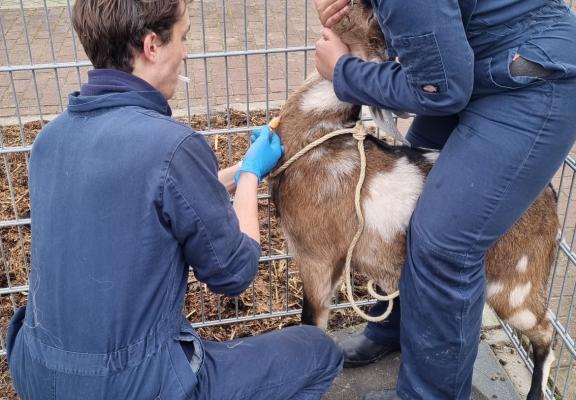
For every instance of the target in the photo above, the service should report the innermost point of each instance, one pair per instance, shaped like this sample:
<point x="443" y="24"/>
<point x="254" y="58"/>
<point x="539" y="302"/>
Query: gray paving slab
<point x="490" y="380"/>
<point x="354" y="383"/>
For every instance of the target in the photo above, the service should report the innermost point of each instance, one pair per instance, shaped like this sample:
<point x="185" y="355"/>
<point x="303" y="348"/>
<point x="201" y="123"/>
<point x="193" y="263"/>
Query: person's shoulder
<point x="53" y="127"/>
<point x="59" y="120"/>
<point x="195" y="146"/>
<point x="155" y="119"/>
<point x="181" y="140"/>
<point x="162" y="130"/>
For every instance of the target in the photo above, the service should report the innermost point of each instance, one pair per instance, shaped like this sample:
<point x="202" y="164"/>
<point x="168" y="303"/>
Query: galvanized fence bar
<point x="25" y="26"/>
<point x="196" y="56"/>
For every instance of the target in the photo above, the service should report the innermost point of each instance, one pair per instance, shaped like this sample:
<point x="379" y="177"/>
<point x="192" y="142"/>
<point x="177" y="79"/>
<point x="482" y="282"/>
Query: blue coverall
<point x="123" y="199"/>
<point x="502" y="139"/>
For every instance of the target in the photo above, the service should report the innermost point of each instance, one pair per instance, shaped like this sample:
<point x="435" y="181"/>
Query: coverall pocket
<point x="420" y="58"/>
<point x="13" y="329"/>
<point x="186" y="363"/>
<point x="31" y="379"/>
<point x="182" y="368"/>
<point x="500" y="74"/>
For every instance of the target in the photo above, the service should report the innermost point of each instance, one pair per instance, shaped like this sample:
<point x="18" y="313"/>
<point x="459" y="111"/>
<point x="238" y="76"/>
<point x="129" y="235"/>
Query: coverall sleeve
<point x="435" y="72"/>
<point x="198" y="211"/>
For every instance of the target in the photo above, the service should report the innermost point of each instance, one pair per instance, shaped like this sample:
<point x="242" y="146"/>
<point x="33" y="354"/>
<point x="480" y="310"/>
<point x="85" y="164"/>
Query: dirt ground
<point x="277" y="287"/>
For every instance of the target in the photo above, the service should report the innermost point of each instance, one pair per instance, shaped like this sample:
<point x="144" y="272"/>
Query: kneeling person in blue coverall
<point x="123" y="199"/>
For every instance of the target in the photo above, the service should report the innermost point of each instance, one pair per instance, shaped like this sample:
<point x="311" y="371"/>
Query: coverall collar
<point x="108" y="88"/>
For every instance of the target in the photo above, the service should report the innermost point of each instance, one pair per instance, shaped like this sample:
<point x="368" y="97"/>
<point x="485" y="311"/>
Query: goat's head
<point x="314" y="109"/>
<point x="359" y="29"/>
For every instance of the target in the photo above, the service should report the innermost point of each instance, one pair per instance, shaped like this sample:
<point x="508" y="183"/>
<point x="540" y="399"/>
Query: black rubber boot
<point x="382" y="395"/>
<point x="359" y="350"/>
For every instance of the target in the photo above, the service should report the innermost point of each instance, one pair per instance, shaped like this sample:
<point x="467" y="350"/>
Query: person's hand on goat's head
<point x="329" y="48"/>
<point x="331" y="11"/>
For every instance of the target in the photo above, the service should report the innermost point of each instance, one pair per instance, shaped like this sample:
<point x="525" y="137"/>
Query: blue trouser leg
<point x="504" y="150"/>
<point x="388" y="332"/>
<point x="431" y="132"/>
<point x="296" y="363"/>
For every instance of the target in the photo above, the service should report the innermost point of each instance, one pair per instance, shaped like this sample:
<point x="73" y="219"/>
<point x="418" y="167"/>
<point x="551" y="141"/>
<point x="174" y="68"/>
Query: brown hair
<point x="112" y="31"/>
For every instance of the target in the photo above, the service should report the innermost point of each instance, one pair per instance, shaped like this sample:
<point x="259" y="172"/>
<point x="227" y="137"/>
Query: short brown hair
<point x="112" y="31"/>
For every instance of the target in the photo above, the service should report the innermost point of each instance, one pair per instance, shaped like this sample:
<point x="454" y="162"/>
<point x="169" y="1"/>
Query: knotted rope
<point x="359" y="133"/>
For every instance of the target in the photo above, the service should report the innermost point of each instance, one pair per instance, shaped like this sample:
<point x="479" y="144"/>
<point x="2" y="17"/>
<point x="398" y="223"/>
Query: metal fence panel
<point x="245" y="57"/>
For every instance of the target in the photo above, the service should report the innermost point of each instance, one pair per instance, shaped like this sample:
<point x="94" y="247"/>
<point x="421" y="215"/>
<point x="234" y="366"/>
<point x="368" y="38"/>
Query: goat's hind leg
<point x="541" y="339"/>
<point x="533" y="321"/>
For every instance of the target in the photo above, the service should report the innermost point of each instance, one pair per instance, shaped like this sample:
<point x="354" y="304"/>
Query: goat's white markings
<point x="519" y="293"/>
<point x="317" y="154"/>
<point x="320" y="97"/>
<point x="522" y="264"/>
<point x="391" y="197"/>
<point x="432" y="156"/>
<point x="493" y="288"/>
<point x="546" y="370"/>
<point x="337" y="171"/>
<point x="523" y="320"/>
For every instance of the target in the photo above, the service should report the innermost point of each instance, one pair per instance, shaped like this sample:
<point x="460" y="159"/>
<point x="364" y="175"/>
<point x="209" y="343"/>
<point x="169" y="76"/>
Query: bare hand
<point x="329" y="48"/>
<point x="331" y="11"/>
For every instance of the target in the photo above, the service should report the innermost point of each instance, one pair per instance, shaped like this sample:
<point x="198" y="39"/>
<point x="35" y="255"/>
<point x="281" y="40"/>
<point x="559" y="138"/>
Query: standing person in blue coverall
<point x="123" y="199"/>
<point x="493" y="84"/>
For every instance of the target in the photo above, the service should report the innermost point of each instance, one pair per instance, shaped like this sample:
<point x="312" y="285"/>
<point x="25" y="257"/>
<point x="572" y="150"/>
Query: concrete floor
<point x="490" y="380"/>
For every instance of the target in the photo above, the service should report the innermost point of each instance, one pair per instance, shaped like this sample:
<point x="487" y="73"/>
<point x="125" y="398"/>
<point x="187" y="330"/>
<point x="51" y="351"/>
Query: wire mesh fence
<point x="245" y="57"/>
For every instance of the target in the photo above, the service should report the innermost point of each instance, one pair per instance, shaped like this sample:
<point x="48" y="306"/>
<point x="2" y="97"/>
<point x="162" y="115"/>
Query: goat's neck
<point x="311" y="112"/>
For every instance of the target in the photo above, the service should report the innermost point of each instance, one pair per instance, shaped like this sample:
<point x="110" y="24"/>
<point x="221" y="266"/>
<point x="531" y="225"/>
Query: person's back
<point x="101" y="240"/>
<point x="107" y="279"/>
<point x="496" y="25"/>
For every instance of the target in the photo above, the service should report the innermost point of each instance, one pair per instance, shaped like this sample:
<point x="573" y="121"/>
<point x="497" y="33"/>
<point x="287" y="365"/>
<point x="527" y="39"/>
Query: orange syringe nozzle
<point x="274" y="123"/>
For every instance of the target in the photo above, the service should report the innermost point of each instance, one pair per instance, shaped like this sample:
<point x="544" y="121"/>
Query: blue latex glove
<point x="263" y="154"/>
<point x="254" y="135"/>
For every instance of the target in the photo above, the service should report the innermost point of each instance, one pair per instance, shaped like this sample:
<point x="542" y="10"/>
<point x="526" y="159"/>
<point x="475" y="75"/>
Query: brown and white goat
<point x="314" y="198"/>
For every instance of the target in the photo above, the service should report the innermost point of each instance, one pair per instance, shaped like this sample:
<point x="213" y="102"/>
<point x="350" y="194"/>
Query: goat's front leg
<point x="318" y="289"/>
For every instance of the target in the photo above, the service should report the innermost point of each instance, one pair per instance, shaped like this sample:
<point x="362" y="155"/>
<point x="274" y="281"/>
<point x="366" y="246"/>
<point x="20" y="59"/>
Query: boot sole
<point x="362" y="363"/>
